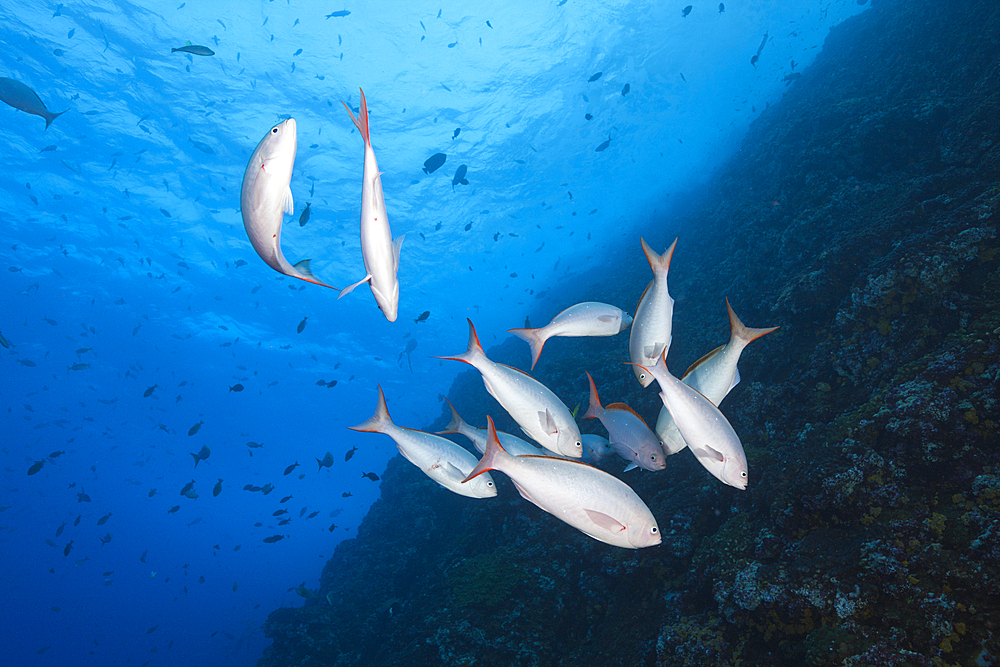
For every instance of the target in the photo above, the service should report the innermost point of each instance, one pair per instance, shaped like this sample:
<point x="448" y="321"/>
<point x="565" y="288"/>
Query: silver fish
<point x="583" y="319"/>
<point x="629" y="435"/>
<point x="533" y="406"/>
<point x="587" y="498"/>
<point x="511" y="443"/>
<point x="266" y="197"/>
<point x="438" y="458"/>
<point x="650" y="335"/>
<point x="379" y="251"/>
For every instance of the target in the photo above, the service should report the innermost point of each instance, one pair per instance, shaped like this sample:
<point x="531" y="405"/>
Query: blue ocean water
<point x="126" y="267"/>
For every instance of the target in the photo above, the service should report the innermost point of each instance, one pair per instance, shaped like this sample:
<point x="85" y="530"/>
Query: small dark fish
<point x="625" y="89"/>
<point x="76" y="521"/>
<point x="104" y="519"/>
<point x="332" y="527"/>
<point x="236" y="387"/>
<point x="165" y="212"/>
<point x="453" y="45"/>
<point x="203" y="454"/>
<point x="292" y="467"/>
<point x="304" y="216"/>
<point x="337" y="14"/>
<point x="21" y="97"/>
<point x="27" y="362"/>
<point x="468" y="226"/>
<point x="299" y="52"/>
<point x="202" y="146"/>
<point x="460" y="176"/>
<point x="174" y="509"/>
<point x="105" y="539"/>
<point x="36" y="466"/>
<point x="595" y="77"/>
<point x="152" y="630"/>
<point x="457" y="131"/>
<point x="603" y="146"/>
<point x="325" y="462"/>
<point x="48" y="149"/>
<point x="722" y="8"/>
<point x="195" y="49"/>
<point x="152" y="492"/>
<point x="370" y="475"/>
<point x="686" y="11"/>
<point x="149" y="391"/>
<point x="82" y="498"/>
<point x="285" y="500"/>
<point x="218" y="488"/>
<point x="4" y="342"/>
<point x="60" y="529"/>
<point x="302" y="325"/>
<point x="68" y="548"/>
<point x="78" y="367"/>
<point x="346" y="494"/>
<point x="194" y="429"/>
<point x="273" y="539"/>
<point x="422" y="317"/>
<point x="350" y="453"/>
<point x="434" y="162"/>
<point x="588" y="116"/>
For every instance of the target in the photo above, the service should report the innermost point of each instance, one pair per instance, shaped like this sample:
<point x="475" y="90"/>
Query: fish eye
<point x="743" y="475"/>
<point x="642" y="376"/>
<point x="274" y="130"/>
<point x="654" y="530"/>
<point x="490" y="484"/>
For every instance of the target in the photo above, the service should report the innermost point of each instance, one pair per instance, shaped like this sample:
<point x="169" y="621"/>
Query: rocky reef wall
<point x="861" y="215"/>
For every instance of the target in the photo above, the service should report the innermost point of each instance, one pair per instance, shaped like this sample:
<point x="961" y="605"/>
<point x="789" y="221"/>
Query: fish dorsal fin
<point x="622" y="406"/>
<point x="547" y="422"/>
<point x="518" y="370"/>
<point x="606" y="522"/>
<point x="289" y="205"/>
<point x="704" y="359"/>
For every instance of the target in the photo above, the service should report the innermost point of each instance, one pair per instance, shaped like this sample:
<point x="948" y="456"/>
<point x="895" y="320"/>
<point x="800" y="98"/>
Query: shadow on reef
<point x="860" y="215"/>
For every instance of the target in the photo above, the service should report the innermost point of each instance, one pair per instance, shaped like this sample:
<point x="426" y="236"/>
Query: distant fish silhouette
<point x="195" y="49"/>
<point x="19" y="96"/>
<point x="434" y="162"/>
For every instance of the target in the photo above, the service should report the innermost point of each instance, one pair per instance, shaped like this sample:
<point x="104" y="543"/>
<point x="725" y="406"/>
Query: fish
<point x="194" y="49"/>
<point x="350" y="453"/>
<point x="651" y="329"/>
<point x="302" y="325"/>
<point x="23" y="98"/>
<point x="379" y="251"/>
<point x="440" y="459"/>
<point x="598" y="504"/>
<point x="152" y="630"/>
<point x="78" y="367"/>
<point x="584" y="319"/>
<point x="149" y="391"/>
<point x="686" y="11"/>
<point x="722" y="8"/>
<point x="266" y="196"/>
<point x="595" y="77"/>
<point x="713" y="376"/>
<point x="254" y="445"/>
<point x="27" y="362"/>
<point x="434" y="162"/>
<point x="279" y="512"/>
<point x="173" y="510"/>
<point x="708" y="433"/>
<point x="202" y="454"/>
<point x="68" y="548"/>
<point x="236" y="387"/>
<point x="370" y="475"/>
<point x="304" y="216"/>
<point x="306" y="593"/>
<point x="200" y="145"/>
<point x="104" y="519"/>
<point x="422" y="317"/>
<point x="533" y="406"/>
<point x="511" y="443"/>
<point x="4" y="341"/>
<point x="596" y="448"/>
<point x="292" y="467"/>
<point x="460" y="176"/>
<point x="105" y="539"/>
<point x="338" y="14"/>
<point x="458" y="129"/>
<point x="628" y="433"/>
<point x="36" y="466"/>
<point x="194" y="429"/>
<point x="273" y="538"/>
<point x="625" y="89"/>
<point x="60" y="529"/>
<point x="326" y="461"/>
<point x="217" y="489"/>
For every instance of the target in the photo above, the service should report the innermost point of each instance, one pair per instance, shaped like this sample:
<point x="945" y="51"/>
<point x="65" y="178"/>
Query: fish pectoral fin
<point x="548" y="424"/>
<point x="653" y="351"/>
<point x="606" y="319"/>
<point x="289" y="203"/>
<point x="630" y="466"/>
<point x="396" y="245"/>
<point x="347" y="290"/>
<point x="452" y="473"/>
<point x="606" y="522"/>
<point x="736" y="380"/>
<point x="708" y="452"/>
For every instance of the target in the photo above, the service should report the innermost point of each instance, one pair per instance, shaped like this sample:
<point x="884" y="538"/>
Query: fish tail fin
<point x="742" y="332"/>
<point x="535" y="340"/>
<point x="379" y="421"/>
<point x="361" y="122"/>
<point x="659" y="263"/>
<point x="320" y="465"/>
<point x="302" y="267"/>
<point x="49" y="117"/>
<point x="595" y="401"/>
<point x="474" y="351"/>
<point x="456" y="423"/>
<point x="494" y="451"/>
